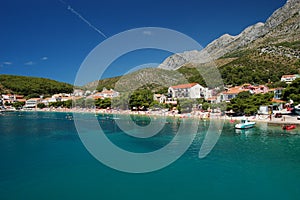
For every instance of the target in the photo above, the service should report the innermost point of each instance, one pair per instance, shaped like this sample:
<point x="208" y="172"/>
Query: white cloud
<point x="147" y="32"/>
<point x="44" y="58"/>
<point x="29" y="63"/>
<point x="7" y="63"/>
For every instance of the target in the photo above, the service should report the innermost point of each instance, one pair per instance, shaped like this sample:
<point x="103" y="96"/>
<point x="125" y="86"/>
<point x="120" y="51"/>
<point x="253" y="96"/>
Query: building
<point x="231" y="93"/>
<point x="78" y="93"/>
<point x="261" y="89"/>
<point x="109" y="93"/>
<point x="212" y="99"/>
<point x="32" y="103"/>
<point x="277" y="92"/>
<point x="49" y="100"/>
<point x="190" y="91"/>
<point x="19" y="98"/>
<point x="289" y="78"/>
<point x="12" y="98"/>
<point x="66" y="98"/>
<point x="105" y="94"/>
<point x="161" y="98"/>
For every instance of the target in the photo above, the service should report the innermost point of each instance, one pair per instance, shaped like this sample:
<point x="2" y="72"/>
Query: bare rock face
<point x="282" y="14"/>
<point x="227" y="43"/>
<point x="177" y="60"/>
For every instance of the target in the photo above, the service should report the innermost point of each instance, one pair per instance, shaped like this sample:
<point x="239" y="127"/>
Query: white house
<point x="161" y="98"/>
<point x="104" y="94"/>
<point x="289" y="78"/>
<point x="191" y="90"/>
<point x="47" y="101"/>
<point x="32" y="103"/>
<point x="109" y="93"/>
<point x="78" y="93"/>
<point x="230" y="93"/>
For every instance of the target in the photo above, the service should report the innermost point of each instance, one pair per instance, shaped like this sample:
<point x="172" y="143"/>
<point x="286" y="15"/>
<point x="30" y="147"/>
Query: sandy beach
<point x="285" y="119"/>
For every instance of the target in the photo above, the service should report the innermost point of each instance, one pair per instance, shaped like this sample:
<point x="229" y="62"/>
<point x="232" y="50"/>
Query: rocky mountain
<point x="282" y="25"/>
<point x="148" y="78"/>
<point x="260" y="54"/>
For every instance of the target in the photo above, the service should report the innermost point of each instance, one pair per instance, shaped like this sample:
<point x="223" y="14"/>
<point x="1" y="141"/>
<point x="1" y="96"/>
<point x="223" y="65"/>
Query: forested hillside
<point x="32" y="86"/>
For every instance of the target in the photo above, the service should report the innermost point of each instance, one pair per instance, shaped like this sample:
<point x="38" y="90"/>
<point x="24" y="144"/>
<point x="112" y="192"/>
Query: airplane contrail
<point x="83" y="19"/>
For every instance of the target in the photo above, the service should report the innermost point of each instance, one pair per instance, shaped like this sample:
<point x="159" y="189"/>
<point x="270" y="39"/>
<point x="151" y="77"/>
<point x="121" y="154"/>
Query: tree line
<point x="33" y="87"/>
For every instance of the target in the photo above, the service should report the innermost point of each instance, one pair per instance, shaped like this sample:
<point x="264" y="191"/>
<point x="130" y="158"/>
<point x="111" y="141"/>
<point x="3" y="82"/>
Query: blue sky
<point x="46" y="39"/>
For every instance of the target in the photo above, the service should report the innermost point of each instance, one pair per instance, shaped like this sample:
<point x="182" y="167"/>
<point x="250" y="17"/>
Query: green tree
<point x="18" y="104"/>
<point x="292" y="91"/>
<point x="186" y="105"/>
<point x="141" y="99"/>
<point x="248" y="104"/>
<point x="68" y="104"/>
<point x="205" y="106"/>
<point x="41" y="105"/>
<point x="89" y="103"/>
<point x="163" y="90"/>
<point x="33" y="86"/>
<point x="79" y="103"/>
<point x="121" y="102"/>
<point x="103" y="103"/>
<point x="155" y="104"/>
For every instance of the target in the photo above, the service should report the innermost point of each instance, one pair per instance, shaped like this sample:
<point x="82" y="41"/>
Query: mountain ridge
<point x="260" y="54"/>
<point x="227" y="43"/>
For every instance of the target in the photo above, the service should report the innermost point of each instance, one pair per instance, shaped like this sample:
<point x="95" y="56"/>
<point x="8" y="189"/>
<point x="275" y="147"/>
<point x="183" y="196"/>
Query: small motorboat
<point x="245" y="124"/>
<point x="286" y="111"/>
<point x="289" y="127"/>
<point x="297" y="108"/>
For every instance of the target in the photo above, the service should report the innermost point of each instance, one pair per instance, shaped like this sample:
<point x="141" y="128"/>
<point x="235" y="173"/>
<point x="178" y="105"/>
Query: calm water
<point x="42" y="157"/>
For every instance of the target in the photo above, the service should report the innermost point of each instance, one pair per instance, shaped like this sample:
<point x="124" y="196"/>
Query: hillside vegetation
<point x="153" y="79"/>
<point x="257" y="68"/>
<point x="32" y="86"/>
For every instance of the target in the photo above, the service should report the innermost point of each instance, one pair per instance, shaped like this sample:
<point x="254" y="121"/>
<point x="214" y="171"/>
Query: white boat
<point x="297" y="109"/>
<point x="283" y="111"/>
<point x="245" y="124"/>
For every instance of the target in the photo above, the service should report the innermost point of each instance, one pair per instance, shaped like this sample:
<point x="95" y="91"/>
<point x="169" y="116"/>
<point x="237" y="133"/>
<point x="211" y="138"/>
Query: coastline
<point x="286" y="119"/>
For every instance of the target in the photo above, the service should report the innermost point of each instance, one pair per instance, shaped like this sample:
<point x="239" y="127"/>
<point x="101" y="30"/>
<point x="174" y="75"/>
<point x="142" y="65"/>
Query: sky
<point x="52" y="38"/>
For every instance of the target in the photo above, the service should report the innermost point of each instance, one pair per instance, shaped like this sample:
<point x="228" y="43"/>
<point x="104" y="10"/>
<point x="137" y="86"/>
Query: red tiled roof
<point x="288" y="76"/>
<point x="97" y="97"/>
<point x="277" y="101"/>
<point x="75" y="98"/>
<point x="36" y="99"/>
<point x="21" y="100"/>
<point x="212" y="99"/>
<point x="69" y="98"/>
<point x="235" y="90"/>
<point x="183" y="86"/>
<point x="107" y="92"/>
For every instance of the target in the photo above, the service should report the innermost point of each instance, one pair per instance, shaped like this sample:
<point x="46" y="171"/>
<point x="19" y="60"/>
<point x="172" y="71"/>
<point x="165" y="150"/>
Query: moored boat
<point x="245" y="124"/>
<point x="297" y="109"/>
<point x="284" y="111"/>
<point x="289" y="127"/>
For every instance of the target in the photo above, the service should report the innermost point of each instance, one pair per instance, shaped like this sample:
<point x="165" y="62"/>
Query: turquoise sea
<point x="42" y="157"/>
